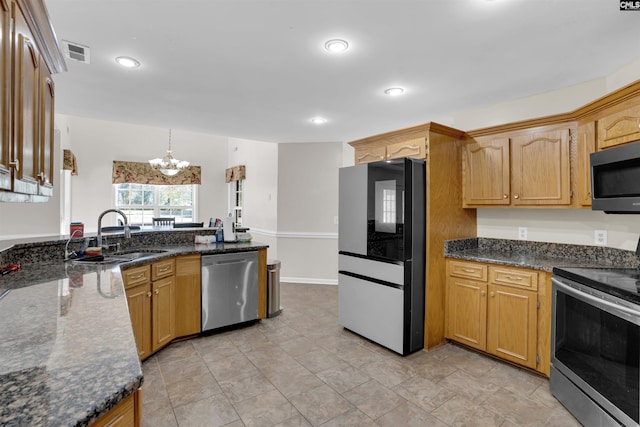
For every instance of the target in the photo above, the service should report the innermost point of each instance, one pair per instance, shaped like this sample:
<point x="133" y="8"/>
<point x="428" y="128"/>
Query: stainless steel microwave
<point x="615" y="179"/>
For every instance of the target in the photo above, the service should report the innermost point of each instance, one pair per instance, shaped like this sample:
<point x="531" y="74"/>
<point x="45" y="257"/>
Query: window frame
<point x="156" y="208"/>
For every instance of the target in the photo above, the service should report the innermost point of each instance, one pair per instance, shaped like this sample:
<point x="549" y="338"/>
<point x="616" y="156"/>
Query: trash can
<point x="273" y="288"/>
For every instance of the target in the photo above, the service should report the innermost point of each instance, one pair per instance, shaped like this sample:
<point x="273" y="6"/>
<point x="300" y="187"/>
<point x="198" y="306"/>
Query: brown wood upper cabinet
<point x="5" y="95"/>
<point x="619" y="127"/>
<point x="29" y="54"/>
<point x="586" y="146"/>
<point x="415" y="147"/>
<point x="527" y="168"/>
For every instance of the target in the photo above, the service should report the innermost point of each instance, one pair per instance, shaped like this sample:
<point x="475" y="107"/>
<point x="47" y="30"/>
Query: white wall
<point x="260" y="188"/>
<point x="291" y="203"/>
<point x="97" y="143"/>
<point x="26" y="220"/>
<point x="574" y="226"/>
<point x="308" y="211"/>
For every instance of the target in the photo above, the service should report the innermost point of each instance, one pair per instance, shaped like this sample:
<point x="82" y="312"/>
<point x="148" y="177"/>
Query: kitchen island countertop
<point x="67" y="350"/>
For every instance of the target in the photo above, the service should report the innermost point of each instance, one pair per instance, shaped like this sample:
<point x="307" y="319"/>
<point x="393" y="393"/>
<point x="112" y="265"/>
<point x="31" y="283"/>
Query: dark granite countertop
<point x="538" y="255"/>
<point x="67" y="350"/>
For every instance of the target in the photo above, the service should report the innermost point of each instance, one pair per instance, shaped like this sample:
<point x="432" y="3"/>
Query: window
<point x="389" y="206"/>
<point x="142" y="202"/>
<point x="236" y="199"/>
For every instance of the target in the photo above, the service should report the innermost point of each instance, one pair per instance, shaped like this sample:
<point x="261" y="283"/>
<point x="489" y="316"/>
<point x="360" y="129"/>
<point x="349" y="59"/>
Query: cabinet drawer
<point x="163" y="269"/>
<point x="469" y="270"/>
<point x="414" y="148"/>
<point x="514" y="277"/>
<point x="136" y="276"/>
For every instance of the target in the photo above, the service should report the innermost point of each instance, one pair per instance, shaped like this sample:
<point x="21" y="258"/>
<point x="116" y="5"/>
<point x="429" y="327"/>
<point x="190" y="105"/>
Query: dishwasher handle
<point x="232" y="261"/>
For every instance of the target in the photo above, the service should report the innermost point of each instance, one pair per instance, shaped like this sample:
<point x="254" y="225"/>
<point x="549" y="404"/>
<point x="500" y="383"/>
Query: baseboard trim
<point x="309" y="280"/>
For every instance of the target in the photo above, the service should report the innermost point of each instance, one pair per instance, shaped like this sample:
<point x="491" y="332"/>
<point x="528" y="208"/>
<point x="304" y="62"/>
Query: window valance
<point x="143" y="173"/>
<point x="69" y="162"/>
<point x="235" y="173"/>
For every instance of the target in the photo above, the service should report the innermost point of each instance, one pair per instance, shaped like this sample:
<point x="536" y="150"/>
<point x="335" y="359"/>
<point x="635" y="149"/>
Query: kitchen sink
<point x="98" y="259"/>
<point x="119" y="256"/>
<point x="130" y="254"/>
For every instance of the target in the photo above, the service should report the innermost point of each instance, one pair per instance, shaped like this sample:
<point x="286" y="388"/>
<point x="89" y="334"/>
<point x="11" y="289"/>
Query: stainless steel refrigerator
<point x="381" y="277"/>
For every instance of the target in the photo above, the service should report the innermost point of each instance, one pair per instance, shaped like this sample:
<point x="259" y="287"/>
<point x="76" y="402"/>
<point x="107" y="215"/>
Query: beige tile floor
<point x="303" y="369"/>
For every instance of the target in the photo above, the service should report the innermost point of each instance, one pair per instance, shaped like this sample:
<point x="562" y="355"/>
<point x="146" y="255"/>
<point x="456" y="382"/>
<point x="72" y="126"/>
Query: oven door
<point x="594" y="352"/>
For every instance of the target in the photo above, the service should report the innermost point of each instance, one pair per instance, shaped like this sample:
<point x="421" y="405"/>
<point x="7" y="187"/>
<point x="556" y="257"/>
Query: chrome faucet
<point x="127" y="230"/>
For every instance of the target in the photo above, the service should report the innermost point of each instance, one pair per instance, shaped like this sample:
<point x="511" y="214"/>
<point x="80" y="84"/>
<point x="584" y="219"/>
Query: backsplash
<point x="28" y="253"/>
<point x="582" y="254"/>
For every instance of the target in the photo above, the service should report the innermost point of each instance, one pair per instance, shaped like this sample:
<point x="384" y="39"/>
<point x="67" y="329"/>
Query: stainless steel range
<point x="595" y="336"/>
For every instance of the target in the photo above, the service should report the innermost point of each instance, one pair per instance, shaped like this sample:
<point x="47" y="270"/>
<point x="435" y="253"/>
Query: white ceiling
<point x="256" y="69"/>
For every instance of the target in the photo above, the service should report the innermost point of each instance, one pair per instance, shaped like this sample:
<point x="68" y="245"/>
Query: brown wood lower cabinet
<point x="188" y="295"/>
<point x="127" y="413"/>
<point x="499" y="310"/>
<point x="151" y="305"/>
<point x="164" y="299"/>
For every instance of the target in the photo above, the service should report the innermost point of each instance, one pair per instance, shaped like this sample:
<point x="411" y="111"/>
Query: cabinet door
<point x="369" y="154"/>
<point x="619" y="128"/>
<point x="163" y="312"/>
<point x="139" y="300"/>
<point x="188" y="295"/>
<point x="485" y="172"/>
<point x="415" y="148"/>
<point x="122" y="415"/>
<point x="540" y="173"/>
<point x="467" y="312"/>
<point x="511" y="325"/>
<point x="46" y="133"/>
<point x="26" y="112"/>
<point x="586" y="146"/>
<point x="5" y="95"/>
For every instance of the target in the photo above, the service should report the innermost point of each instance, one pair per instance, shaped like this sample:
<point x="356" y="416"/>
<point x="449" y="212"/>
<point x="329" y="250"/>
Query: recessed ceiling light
<point x="336" y="45"/>
<point x="394" y="91"/>
<point x="128" y="62"/>
<point x="318" y="120"/>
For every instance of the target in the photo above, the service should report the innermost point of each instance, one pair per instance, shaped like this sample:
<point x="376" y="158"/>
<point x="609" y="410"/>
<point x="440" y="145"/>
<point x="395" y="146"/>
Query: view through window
<point x="236" y="203"/>
<point x="142" y="202"/>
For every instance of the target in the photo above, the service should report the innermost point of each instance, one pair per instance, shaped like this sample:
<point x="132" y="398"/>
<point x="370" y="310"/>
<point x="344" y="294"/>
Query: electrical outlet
<point x="522" y="233"/>
<point x="600" y="237"/>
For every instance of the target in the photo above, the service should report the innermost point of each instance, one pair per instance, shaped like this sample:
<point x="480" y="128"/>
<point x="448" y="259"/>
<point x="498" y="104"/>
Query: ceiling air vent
<point x="76" y="52"/>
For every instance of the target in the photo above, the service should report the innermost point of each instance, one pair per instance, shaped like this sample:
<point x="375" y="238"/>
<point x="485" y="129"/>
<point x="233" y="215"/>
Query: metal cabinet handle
<point x="491" y="294"/>
<point x="483" y="293"/>
<point x="505" y="196"/>
<point x="513" y="278"/>
<point x="516" y="196"/>
<point x="149" y="294"/>
<point x="137" y="276"/>
<point x="468" y="270"/>
<point x="157" y="291"/>
<point x="165" y="268"/>
<point x="15" y="164"/>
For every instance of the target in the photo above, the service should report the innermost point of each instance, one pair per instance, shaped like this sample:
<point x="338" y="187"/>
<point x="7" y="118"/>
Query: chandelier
<point x="168" y="165"/>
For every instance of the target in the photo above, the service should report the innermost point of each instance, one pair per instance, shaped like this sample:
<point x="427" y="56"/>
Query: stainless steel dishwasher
<point x="229" y="289"/>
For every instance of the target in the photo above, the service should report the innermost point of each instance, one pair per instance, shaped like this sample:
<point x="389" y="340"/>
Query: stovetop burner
<point x="620" y="282"/>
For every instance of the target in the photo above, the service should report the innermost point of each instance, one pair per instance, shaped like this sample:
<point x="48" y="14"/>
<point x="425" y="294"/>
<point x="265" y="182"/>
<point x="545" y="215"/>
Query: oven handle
<point x="584" y="295"/>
